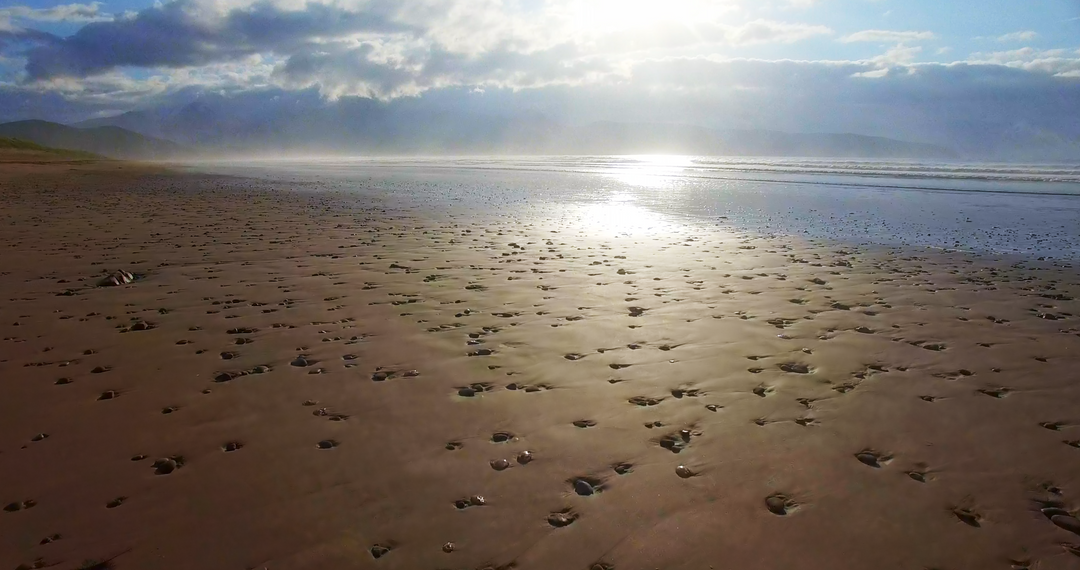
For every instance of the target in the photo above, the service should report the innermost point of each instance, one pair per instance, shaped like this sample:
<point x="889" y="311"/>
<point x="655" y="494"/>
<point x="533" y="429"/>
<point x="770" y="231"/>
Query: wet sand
<point x="299" y="380"/>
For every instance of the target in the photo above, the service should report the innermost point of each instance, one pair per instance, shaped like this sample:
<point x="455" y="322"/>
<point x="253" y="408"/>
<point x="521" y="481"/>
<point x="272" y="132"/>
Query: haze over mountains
<point x="108" y="141"/>
<point x="217" y="126"/>
<point x="368" y="127"/>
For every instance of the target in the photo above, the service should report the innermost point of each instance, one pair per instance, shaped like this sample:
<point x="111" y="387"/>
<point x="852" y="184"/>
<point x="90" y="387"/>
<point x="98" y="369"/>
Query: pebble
<point x="583" y="488"/>
<point x="165" y="466"/>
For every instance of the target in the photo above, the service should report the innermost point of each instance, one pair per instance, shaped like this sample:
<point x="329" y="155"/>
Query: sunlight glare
<point x="620" y="15"/>
<point x="651" y="171"/>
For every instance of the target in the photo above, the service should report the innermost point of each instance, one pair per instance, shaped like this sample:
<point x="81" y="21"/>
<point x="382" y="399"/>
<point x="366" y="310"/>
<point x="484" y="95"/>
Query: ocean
<point x="1016" y="209"/>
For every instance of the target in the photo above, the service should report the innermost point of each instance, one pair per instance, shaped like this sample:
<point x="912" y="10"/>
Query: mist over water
<point x="1028" y="209"/>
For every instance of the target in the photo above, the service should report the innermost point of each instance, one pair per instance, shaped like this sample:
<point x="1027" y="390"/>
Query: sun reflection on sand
<point x="620" y="216"/>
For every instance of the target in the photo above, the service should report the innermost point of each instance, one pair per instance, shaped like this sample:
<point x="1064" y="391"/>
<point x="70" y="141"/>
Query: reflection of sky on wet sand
<point x="615" y="195"/>
<point x="624" y="218"/>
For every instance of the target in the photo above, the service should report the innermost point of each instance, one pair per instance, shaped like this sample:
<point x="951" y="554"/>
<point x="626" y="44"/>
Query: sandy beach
<point x="297" y="379"/>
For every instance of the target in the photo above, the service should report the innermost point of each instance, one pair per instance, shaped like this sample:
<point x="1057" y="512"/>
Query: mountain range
<point x="201" y="129"/>
<point x="108" y="141"/>
<point x="221" y="127"/>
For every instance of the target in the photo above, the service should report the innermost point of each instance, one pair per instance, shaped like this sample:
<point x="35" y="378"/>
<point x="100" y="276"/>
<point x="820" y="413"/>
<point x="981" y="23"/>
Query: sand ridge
<point x="298" y="380"/>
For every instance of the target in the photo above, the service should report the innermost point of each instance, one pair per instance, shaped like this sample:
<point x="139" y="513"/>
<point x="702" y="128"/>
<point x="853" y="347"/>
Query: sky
<point x="924" y="69"/>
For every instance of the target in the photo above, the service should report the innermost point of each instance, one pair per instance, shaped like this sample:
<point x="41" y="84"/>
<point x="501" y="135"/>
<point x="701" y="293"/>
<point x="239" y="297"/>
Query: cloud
<point x="183" y="33"/>
<point x="1018" y="37"/>
<point x="764" y="31"/>
<point x="565" y="59"/>
<point x="388" y="47"/>
<point x="886" y="36"/>
<point x="64" y="13"/>
<point x="1059" y="62"/>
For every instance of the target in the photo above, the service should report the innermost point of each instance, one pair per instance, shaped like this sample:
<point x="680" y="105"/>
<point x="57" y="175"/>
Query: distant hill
<point x="820" y="145"/>
<point x="26" y="147"/>
<point x="109" y="141"/>
<point x="223" y="126"/>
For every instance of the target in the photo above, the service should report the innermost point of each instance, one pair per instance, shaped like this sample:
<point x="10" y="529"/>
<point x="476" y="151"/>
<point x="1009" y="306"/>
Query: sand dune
<point x="295" y="380"/>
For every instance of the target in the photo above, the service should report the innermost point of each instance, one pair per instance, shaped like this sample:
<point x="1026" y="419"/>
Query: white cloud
<point x="65" y="13"/>
<point x="1018" y="36"/>
<point x="887" y="36"/>
<point x="1059" y="62"/>
<point x="765" y="31"/>
<point x="900" y="54"/>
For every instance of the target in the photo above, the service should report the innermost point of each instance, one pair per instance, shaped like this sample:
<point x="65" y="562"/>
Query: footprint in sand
<point x="1061" y="518"/>
<point x="676" y="442"/>
<point x="474" y="389"/>
<point x="562" y="518"/>
<point x="327" y="444"/>
<point x="584" y="423"/>
<point x="302" y="361"/>
<point x="586" y="486"/>
<point x="686" y="393"/>
<point x="873" y="458"/>
<point x="995" y="392"/>
<point x="51" y="539"/>
<point x="167" y="465"/>
<point x="473" y="501"/>
<point x="502" y="437"/>
<point x="780" y="504"/>
<point x="763" y="391"/>
<point x="920" y="474"/>
<point x="967" y="516"/>
<point x="20" y="506"/>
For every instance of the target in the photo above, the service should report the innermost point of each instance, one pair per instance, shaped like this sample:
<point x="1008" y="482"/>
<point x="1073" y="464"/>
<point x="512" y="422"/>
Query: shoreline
<point x="829" y="405"/>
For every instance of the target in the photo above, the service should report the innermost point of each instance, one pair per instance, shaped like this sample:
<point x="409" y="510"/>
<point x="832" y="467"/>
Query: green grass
<point x="19" y="144"/>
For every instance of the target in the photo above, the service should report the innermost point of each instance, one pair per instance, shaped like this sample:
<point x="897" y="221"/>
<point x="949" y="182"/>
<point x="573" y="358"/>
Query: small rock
<point x="524" y="457"/>
<point x="1067" y="522"/>
<point x="165" y="466"/>
<point x="684" y="472"/>
<point x="500" y="464"/>
<point x="583" y="487"/>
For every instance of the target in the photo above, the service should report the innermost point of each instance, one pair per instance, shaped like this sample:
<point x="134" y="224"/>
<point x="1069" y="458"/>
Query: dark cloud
<point x="181" y="34"/>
